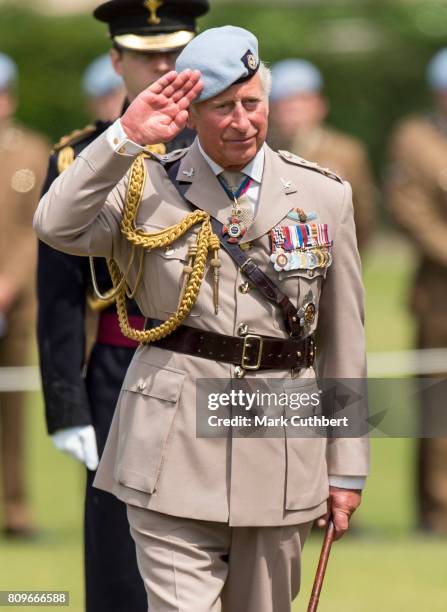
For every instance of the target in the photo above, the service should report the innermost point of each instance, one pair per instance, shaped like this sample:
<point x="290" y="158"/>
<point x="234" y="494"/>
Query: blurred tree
<point x="372" y="53"/>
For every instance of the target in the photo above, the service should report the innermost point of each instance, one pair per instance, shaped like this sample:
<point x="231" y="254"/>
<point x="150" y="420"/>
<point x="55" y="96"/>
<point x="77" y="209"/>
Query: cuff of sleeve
<point x="117" y="139"/>
<point x="347" y="482"/>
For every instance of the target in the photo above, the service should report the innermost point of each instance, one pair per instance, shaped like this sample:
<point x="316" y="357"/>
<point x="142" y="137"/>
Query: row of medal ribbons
<point x="302" y="246"/>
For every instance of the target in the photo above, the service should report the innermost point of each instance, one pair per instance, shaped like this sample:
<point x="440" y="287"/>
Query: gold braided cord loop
<point x="206" y="240"/>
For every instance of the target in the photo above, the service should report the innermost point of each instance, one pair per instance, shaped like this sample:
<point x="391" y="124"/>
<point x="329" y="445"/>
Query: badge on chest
<point x="304" y="246"/>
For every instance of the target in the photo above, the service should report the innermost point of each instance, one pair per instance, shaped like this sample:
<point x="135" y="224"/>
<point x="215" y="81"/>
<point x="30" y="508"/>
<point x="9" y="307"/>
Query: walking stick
<point x="322" y="564"/>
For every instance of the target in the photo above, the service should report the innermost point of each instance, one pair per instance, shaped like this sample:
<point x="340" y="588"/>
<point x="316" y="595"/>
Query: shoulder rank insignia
<point x="75" y="137"/>
<point x="304" y="163"/>
<point x="65" y="158"/>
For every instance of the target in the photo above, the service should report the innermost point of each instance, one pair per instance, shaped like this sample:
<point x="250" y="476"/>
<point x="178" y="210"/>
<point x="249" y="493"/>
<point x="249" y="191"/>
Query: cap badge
<point x="152" y="6"/>
<point x="251" y="61"/>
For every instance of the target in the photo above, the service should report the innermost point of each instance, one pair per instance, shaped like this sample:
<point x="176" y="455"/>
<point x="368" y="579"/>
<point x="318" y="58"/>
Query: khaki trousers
<point x="432" y="452"/>
<point x="201" y="566"/>
<point x="14" y="349"/>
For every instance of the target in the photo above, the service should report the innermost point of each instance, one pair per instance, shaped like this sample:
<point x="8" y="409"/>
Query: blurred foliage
<point x="373" y="54"/>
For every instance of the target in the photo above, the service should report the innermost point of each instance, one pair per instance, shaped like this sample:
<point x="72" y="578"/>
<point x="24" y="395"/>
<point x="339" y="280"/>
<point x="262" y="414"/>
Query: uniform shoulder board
<point x="64" y="149"/>
<point x="74" y="138"/>
<point x="65" y="157"/>
<point x="291" y="158"/>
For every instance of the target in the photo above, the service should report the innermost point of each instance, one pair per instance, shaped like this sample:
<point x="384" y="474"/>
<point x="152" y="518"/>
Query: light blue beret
<point x="224" y="56"/>
<point x="100" y="78"/>
<point x="294" y="76"/>
<point x="8" y="71"/>
<point x="437" y="70"/>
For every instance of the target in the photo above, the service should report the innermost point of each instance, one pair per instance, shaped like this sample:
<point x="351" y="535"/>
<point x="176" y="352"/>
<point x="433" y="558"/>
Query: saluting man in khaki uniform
<point x="23" y="161"/>
<point x="298" y="112"/>
<point x="417" y="199"/>
<point x="219" y="522"/>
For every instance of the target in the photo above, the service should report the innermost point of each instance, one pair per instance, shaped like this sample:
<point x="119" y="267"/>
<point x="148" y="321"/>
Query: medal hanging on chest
<point x="305" y="246"/>
<point x="240" y="218"/>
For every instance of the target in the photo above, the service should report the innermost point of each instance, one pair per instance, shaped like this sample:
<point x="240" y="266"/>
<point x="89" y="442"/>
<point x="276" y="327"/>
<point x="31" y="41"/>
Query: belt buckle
<point x="246" y="346"/>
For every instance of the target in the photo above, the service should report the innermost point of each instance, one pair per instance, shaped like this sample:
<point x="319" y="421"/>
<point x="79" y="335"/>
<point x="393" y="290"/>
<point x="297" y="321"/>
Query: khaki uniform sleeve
<point x="363" y="194"/>
<point x="81" y="212"/>
<point x="413" y="195"/>
<point x="341" y="337"/>
<point x="19" y="265"/>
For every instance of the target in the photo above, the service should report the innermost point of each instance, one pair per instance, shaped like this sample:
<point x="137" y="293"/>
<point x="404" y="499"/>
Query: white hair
<point x="266" y="78"/>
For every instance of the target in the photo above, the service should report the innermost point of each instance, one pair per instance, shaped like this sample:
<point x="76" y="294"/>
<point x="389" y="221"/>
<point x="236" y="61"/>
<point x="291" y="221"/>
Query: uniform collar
<point x="278" y="191"/>
<point x="254" y="169"/>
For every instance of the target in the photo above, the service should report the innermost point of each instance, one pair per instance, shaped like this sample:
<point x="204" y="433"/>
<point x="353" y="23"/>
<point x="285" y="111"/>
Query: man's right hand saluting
<point x="160" y="112"/>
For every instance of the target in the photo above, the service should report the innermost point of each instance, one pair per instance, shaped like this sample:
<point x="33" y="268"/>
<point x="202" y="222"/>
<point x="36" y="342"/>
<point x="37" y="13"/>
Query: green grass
<point x="54" y="560"/>
<point x="387" y="567"/>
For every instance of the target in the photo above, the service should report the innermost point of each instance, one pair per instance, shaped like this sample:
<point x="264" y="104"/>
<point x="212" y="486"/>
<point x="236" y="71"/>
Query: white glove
<point x="80" y="443"/>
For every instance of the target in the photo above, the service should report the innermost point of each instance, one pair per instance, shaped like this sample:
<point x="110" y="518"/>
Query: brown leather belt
<point x="250" y="352"/>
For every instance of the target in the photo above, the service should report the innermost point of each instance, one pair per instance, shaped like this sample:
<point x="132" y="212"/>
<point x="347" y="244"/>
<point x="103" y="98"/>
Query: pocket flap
<point x="146" y="379"/>
<point x="304" y="273"/>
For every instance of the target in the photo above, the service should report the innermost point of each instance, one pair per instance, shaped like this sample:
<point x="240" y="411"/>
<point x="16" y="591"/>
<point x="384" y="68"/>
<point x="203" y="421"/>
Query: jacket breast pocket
<point x="303" y="287"/>
<point x="170" y="266"/>
<point x="147" y="408"/>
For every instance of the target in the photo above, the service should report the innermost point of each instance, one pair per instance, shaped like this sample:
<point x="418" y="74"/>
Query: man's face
<point x="441" y="101"/>
<point x="299" y="112"/>
<point x="7" y="105"/>
<point x="108" y="107"/>
<point x="232" y="126"/>
<point x="139" y="70"/>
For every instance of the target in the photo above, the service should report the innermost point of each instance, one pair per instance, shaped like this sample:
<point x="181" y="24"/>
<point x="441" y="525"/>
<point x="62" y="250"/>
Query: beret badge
<point x="250" y="62"/>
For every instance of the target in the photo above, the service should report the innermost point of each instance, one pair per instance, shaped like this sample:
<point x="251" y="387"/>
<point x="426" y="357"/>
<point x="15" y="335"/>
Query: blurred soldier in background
<point x="105" y="95"/>
<point x="147" y="36"/>
<point x="417" y="198"/>
<point x="23" y="156"/>
<point x="298" y="110"/>
<point x="104" y="89"/>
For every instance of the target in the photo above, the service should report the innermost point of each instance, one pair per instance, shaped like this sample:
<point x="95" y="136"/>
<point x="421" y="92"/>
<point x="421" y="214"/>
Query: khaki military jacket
<point x="417" y="199"/>
<point x="348" y="157"/>
<point x="153" y="458"/>
<point x="23" y="163"/>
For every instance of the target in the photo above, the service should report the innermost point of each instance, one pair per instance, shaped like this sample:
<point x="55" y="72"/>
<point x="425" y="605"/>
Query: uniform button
<point x="246" y="246"/>
<point x="169" y="250"/>
<point x="242" y="329"/>
<point x="142" y="384"/>
<point x="115" y="141"/>
<point x="311" y="273"/>
<point x="244" y="288"/>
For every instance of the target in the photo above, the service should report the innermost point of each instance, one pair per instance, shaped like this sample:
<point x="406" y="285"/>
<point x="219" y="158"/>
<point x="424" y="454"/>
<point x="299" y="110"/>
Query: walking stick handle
<point x="322" y="564"/>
